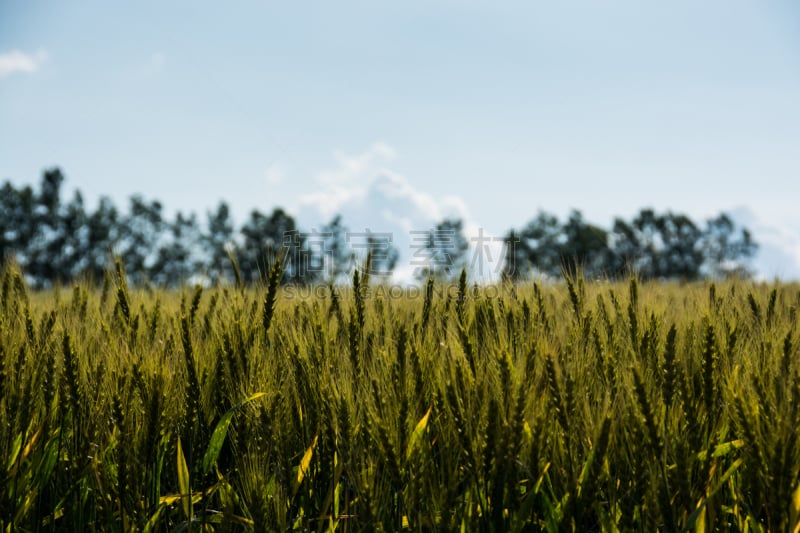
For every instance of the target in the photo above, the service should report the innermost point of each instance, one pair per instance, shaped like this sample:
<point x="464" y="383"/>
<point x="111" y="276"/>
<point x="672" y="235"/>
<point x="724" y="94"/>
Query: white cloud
<point x="158" y="61"/>
<point x="346" y="183"/>
<point x="152" y="66"/>
<point x="17" y="61"/>
<point x="369" y="195"/>
<point x="355" y="169"/>
<point x="275" y="174"/>
<point x="364" y="182"/>
<point x="778" y="254"/>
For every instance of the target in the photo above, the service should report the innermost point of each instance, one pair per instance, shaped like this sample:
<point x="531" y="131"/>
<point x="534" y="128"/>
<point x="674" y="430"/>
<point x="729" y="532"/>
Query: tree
<point x="725" y="252"/>
<point x="384" y="255"/>
<point x="218" y="240"/>
<point x="44" y="251"/>
<point x="54" y="241"/>
<point x="140" y="235"/>
<point x="516" y="258"/>
<point x="73" y="228"/>
<point x="680" y="255"/>
<point x="653" y="245"/>
<point x="176" y="259"/>
<point x="660" y="246"/>
<point x="625" y="248"/>
<point x="267" y="239"/>
<point x="338" y="258"/>
<point x="672" y="246"/>
<point x="103" y="232"/>
<point x="639" y="246"/>
<point x="17" y="223"/>
<point x="542" y="239"/>
<point x="645" y="226"/>
<point x="585" y="247"/>
<point x="375" y="246"/>
<point x="441" y="251"/>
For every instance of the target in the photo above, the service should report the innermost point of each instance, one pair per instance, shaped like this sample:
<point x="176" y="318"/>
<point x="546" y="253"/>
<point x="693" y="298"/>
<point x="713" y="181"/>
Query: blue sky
<point x="398" y="113"/>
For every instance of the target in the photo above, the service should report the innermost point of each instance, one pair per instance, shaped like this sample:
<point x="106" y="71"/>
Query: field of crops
<point x="570" y="406"/>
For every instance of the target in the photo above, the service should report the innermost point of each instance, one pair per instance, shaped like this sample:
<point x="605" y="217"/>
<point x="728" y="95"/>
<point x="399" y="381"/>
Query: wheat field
<point x="569" y="406"/>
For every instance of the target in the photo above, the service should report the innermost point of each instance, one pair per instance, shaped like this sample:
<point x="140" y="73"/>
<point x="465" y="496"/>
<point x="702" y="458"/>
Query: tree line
<point x="652" y="245"/>
<point x="55" y="240"/>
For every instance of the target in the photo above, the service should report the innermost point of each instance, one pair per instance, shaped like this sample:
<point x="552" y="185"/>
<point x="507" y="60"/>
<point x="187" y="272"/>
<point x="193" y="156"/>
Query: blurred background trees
<point x="440" y="252"/>
<point x="653" y="245"/>
<point x="56" y="241"/>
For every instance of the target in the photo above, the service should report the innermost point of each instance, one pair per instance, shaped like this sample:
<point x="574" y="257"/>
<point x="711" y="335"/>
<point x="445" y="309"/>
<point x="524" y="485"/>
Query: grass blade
<point x="416" y="436"/>
<point x="184" y="484"/>
<point x="302" y="468"/>
<point x="220" y="432"/>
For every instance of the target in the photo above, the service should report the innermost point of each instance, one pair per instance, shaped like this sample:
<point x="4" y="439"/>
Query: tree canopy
<point x="651" y="245"/>
<point x="54" y="240"/>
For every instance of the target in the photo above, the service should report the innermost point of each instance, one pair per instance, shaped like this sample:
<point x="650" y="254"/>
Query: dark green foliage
<point x="54" y="241"/>
<point x="653" y="245"/>
<point x="440" y="252"/>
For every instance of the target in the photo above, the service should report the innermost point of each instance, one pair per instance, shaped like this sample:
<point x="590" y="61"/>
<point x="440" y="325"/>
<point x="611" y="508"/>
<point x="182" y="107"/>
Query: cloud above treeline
<point x="19" y="62"/>
<point x="366" y="182"/>
<point x="371" y="196"/>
